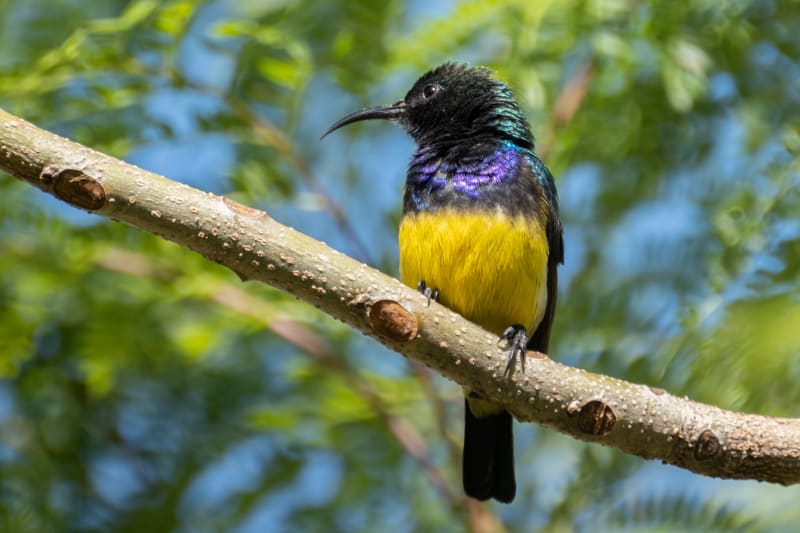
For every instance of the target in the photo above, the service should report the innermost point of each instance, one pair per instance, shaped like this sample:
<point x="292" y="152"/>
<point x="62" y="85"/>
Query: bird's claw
<point x="430" y="294"/>
<point x="517" y="338"/>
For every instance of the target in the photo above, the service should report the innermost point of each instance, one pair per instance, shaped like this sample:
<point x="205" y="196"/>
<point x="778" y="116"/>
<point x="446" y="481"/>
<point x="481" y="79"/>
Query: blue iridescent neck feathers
<point x="468" y="177"/>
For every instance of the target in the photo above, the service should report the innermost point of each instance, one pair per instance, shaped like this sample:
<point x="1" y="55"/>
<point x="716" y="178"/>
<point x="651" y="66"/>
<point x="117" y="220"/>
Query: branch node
<point x="74" y="187"/>
<point x="596" y="418"/>
<point x="707" y="445"/>
<point x="392" y="320"/>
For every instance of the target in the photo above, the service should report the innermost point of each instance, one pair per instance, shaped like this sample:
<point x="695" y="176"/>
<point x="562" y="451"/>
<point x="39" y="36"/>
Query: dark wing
<point x="555" y="240"/>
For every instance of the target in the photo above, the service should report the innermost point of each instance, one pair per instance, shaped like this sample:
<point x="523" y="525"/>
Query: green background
<point x="146" y="389"/>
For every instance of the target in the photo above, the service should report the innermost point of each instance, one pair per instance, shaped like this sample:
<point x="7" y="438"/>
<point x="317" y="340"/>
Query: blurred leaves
<point x="145" y="389"/>
<point x="284" y="59"/>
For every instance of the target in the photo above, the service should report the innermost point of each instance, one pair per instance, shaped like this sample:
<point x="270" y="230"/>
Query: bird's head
<point x="454" y="103"/>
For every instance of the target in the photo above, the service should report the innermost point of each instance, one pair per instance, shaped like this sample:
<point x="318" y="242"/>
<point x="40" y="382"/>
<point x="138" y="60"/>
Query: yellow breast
<point x="487" y="266"/>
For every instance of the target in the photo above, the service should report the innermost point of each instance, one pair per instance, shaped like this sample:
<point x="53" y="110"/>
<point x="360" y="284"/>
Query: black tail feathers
<point x="489" y="456"/>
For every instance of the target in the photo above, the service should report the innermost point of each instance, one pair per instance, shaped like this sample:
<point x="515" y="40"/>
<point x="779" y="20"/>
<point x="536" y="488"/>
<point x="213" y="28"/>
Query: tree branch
<point x="636" y="419"/>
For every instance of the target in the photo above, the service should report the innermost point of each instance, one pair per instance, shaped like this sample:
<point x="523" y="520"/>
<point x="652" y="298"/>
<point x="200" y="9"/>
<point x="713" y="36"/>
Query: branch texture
<point x="636" y="419"/>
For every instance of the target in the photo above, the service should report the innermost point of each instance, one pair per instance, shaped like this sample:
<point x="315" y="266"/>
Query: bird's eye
<point x="430" y="90"/>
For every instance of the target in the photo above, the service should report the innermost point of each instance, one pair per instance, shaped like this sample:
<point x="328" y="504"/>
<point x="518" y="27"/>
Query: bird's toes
<point x="429" y="293"/>
<point x="517" y="338"/>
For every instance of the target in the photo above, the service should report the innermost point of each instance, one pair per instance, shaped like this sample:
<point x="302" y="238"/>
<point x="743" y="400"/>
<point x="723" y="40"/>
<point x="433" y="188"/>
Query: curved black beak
<point x="394" y="111"/>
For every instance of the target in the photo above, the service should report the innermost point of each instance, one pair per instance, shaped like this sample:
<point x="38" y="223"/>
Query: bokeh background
<point x="146" y="389"/>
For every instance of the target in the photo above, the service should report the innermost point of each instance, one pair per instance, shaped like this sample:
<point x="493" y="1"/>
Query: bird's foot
<point x="517" y="338"/>
<point x="430" y="294"/>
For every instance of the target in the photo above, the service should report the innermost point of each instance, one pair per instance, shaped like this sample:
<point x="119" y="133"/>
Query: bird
<point x="480" y="233"/>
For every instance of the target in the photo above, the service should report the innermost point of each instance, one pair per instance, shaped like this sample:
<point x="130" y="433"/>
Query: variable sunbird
<point x="480" y="233"/>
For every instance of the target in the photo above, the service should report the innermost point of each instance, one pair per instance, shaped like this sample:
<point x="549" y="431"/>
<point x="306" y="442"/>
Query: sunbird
<point x="480" y="233"/>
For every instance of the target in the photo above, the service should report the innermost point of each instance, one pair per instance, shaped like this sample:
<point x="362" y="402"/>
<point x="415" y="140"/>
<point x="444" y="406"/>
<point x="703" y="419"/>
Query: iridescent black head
<point x="451" y="104"/>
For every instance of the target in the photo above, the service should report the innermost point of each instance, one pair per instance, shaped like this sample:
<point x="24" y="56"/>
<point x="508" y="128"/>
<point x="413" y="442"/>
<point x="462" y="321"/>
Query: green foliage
<point x="144" y="388"/>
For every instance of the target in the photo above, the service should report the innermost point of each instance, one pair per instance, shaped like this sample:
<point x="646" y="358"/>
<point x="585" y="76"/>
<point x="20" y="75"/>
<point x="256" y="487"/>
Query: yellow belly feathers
<point x="489" y="267"/>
